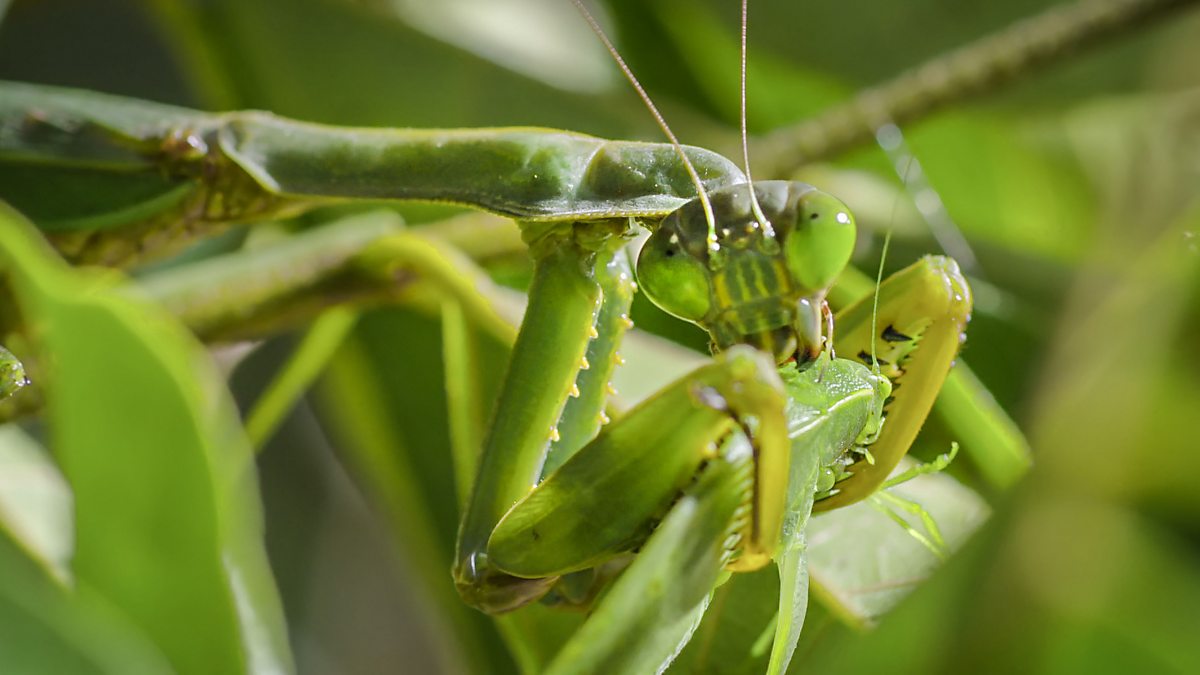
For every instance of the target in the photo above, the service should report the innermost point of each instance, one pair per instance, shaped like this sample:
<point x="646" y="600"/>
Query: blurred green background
<point x="1076" y="187"/>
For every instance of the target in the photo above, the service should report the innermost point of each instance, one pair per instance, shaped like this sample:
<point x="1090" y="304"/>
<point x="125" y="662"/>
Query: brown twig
<point x="969" y="71"/>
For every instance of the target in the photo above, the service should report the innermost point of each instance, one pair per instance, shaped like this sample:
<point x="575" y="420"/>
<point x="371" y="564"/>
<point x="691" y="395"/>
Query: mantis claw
<point x="493" y="592"/>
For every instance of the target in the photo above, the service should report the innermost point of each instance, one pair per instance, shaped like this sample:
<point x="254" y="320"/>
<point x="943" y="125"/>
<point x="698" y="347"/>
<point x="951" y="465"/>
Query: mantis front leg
<point x="549" y="353"/>
<point x="912" y="334"/>
<point x="547" y="359"/>
<point x="669" y="480"/>
<point x="604" y="500"/>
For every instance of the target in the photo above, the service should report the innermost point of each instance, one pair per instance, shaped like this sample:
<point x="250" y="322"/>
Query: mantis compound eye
<point x="673" y="278"/>
<point x="819" y="245"/>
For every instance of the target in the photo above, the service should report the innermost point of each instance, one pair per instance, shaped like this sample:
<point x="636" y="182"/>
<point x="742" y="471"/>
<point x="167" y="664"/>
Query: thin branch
<point x="966" y="72"/>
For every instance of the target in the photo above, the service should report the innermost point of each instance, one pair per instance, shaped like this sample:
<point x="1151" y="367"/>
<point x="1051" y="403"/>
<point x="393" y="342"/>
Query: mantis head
<point x="763" y="284"/>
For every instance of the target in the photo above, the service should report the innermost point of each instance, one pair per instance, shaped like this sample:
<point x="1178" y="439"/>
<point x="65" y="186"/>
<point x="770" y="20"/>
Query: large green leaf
<point x="167" y="522"/>
<point x="45" y="628"/>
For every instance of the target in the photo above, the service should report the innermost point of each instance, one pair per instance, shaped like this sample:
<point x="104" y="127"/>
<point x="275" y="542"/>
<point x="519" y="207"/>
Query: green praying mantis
<point x="716" y="472"/>
<point x="751" y="264"/>
<point x="747" y="505"/>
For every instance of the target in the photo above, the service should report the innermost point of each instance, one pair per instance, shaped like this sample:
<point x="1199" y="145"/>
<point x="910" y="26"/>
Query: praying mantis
<point x="236" y="167"/>
<point x="719" y="262"/>
<point x="581" y="278"/>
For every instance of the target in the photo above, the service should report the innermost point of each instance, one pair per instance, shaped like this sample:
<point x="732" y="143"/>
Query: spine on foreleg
<point x="923" y="312"/>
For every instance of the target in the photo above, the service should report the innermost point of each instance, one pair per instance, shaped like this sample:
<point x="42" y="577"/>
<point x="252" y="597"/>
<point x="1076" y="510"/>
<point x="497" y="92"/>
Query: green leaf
<point x="35" y="501"/>
<point x="168" y="528"/>
<point x="44" y="628"/>
<point x="653" y="607"/>
<point x="862" y="563"/>
<point x="383" y="400"/>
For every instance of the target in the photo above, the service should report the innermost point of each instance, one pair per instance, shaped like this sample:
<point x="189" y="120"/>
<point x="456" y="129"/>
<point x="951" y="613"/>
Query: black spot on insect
<point x="535" y="535"/>
<point x="814" y="216"/>
<point x="670" y="253"/>
<point x="890" y="334"/>
<point x="865" y="357"/>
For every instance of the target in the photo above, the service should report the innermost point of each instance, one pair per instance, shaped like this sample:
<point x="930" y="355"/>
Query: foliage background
<point x="1076" y="187"/>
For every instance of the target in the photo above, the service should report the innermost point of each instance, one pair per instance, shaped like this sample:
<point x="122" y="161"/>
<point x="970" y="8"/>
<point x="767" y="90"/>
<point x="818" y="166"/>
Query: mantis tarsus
<point x="189" y="145"/>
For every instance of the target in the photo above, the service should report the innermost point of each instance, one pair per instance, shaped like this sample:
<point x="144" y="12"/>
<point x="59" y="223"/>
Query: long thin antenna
<point x="758" y="212"/>
<point x="662" y="123"/>
<point x="887" y="240"/>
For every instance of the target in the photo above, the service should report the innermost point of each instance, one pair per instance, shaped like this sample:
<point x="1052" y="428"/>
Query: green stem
<point x="463" y="398"/>
<point x="970" y="71"/>
<point x="318" y="347"/>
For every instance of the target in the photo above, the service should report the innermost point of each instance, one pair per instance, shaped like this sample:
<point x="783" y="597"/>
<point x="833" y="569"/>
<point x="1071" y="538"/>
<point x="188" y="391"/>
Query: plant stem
<point x="975" y="69"/>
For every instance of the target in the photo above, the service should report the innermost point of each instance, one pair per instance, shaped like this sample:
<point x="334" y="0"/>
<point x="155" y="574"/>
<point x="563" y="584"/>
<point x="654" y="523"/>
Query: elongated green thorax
<point x="150" y="177"/>
<point x="764" y="284"/>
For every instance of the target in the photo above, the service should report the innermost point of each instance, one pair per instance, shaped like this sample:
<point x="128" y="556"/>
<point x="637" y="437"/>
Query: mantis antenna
<point x="758" y="212"/>
<point x="887" y="240"/>
<point x="662" y="124"/>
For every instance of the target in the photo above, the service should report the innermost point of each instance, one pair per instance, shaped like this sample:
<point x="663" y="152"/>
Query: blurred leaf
<point x="997" y="447"/>
<point x="777" y="93"/>
<point x="167" y="517"/>
<point x="35" y="502"/>
<point x="542" y="39"/>
<point x="357" y="67"/>
<point x="44" y="628"/>
<point x="862" y="563"/>
<point x="1002" y="186"/>
<point x="1137" y="383"/>
<point x="734" y="636"/>
<point x="384" y="401"/>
